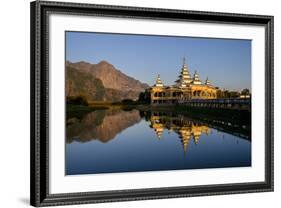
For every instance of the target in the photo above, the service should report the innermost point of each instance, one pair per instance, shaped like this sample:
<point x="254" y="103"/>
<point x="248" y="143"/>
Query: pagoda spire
<point x="196" y="79"/>
<point x="207" y="82"/>
<point x="184" y="77"/>
<point x="159" y="82"/>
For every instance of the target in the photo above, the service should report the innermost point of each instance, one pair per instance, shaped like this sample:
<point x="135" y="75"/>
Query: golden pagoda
<point x="158" y="82"/>
<point x="185" y="89"/>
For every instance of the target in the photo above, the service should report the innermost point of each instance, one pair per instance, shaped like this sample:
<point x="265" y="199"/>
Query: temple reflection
<point x="184" y="127"/>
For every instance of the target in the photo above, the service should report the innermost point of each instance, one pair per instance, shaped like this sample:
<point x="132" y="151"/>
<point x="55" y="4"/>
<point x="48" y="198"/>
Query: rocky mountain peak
<point x="113" y="80"/>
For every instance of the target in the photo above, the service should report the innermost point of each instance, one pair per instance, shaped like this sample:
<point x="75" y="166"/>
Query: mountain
<point x="101" y="82"/>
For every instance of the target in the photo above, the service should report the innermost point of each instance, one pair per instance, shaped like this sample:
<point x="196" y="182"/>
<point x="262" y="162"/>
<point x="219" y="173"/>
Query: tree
<point x="220" y="94"/>
<point x="226" y="94"/>
<point x="245" y="92"/>
<point x="144" y="97"/>
<point x="234" y="94"/>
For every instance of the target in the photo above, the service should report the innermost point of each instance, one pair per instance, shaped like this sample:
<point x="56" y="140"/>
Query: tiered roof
<point x="207" y="82"/>
<point x="184" y="77"/>
<point x="196" y="79"/>
<point x="159" y="82"/>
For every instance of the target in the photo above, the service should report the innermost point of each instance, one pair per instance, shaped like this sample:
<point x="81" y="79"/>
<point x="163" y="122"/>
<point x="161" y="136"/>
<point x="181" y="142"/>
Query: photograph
<point x="131" y="103"/>
<point x="136" y="102"/>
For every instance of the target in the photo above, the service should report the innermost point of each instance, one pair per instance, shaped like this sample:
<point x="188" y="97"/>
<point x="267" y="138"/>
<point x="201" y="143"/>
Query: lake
<point x="111" y="141"/>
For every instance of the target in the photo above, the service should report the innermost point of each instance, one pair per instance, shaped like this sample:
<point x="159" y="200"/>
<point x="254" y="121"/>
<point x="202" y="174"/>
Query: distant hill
<point x="100" y="82"/>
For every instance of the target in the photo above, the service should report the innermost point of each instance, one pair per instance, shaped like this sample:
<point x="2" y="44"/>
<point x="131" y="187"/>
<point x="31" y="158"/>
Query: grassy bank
<point x="78" y="111"/>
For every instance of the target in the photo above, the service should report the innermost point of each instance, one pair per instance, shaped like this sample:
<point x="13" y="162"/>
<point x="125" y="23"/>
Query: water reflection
<point x="107" y="141"/>
<point x="186" y="128"/>
<point x="102" y="125"/>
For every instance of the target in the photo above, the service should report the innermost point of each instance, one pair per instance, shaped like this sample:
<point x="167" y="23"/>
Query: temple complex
<point x="185" y="89"/>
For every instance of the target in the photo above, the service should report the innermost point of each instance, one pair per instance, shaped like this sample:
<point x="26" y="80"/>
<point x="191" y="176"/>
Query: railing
<point x="228" y="103"/>
<point x="224" y="103"/>
<point x="221" y="100"/>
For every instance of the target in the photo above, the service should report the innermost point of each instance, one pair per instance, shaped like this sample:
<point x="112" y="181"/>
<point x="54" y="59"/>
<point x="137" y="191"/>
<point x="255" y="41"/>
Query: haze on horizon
<point x="226" y="62"/>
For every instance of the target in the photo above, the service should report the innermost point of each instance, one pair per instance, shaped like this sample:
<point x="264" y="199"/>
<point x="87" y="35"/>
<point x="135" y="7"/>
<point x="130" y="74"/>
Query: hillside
<point x="100" y="82"/>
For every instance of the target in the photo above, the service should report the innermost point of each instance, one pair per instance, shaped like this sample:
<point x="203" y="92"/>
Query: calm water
<point x="107" y="141"/>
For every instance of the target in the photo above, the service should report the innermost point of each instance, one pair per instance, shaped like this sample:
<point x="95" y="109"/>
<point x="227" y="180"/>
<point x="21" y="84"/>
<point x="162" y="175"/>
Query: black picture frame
<point x="39" y="187"/>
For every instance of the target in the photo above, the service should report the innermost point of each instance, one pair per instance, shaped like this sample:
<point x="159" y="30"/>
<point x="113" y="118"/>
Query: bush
<point x="127" y="102"/>
<point x="144" y="97"/>
<point x="77" y="100"/>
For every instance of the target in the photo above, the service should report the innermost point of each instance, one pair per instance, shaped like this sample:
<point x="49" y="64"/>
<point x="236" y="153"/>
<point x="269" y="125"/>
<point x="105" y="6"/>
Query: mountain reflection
<point x="102" y="125"/>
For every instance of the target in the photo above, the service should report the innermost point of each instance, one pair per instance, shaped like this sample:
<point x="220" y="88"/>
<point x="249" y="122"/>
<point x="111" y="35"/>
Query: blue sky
<point x="227" y="62"/>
